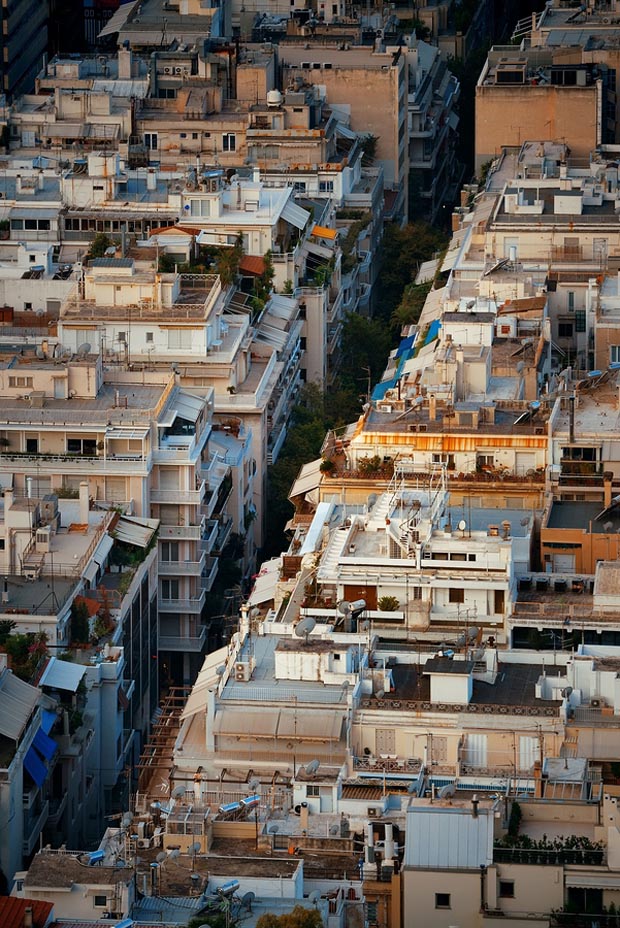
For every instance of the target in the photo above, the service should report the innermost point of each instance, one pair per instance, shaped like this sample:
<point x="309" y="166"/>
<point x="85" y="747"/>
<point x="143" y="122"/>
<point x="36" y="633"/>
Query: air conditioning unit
<point x="243" y="671"/>
<point x="144" y="842"/>
<point x="167" y="70"/>
<point x="372" y="812"/>
<point x="596" y="703"/>
<point x="178" y="70"/>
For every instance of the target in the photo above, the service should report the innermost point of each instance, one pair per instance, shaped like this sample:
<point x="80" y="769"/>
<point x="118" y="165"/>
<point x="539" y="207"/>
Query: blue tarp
<point x="45" y="745"/>
<point x="433" y="331"/>
<point x="35" y="766"/>
<point x="48" y="720"/>
<point x="379" y="391"/>
<point x="405" y="345"/>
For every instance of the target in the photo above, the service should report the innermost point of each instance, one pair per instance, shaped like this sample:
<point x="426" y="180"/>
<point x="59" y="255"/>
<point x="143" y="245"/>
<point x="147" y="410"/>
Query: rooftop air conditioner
<point x="372" y="812"/>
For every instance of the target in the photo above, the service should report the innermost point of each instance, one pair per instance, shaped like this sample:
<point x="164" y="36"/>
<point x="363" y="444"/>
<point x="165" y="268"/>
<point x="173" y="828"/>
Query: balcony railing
<point x="551" y="858"/>
<point x="193" y="605"/>
<point x="181" y="532"/>
<point x="210" y="574"/>
<point x="193" y="643"/>
<point x="189" y="497"/>
<point x="75" y="463"/>
<point x="182" y="568"/>
<point x="33" y="825"/>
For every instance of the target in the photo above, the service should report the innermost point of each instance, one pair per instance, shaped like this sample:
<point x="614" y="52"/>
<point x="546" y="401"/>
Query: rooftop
<point x="583" y="516"/>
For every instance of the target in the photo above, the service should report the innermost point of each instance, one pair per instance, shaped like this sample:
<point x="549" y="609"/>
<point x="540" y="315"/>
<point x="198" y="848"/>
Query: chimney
<point x="41" y="180"/>
<point x="84" y="502"/>
<point x="456" y="221"/>
<point x="432" y="407"/>
<point x="28" y="922"/>
<point x="607" y="478"/>
<point x="5" y="591"/>
<point x="538" y="785"/>
<point x="389" y="843"/>
<point x="125" y="64"/>
<point x="474" y="805"/>
<point x="18" y="183"/>
<point x="151" y="179"/>
<point x="29" y="487"/>
<point x="304" y="814"/>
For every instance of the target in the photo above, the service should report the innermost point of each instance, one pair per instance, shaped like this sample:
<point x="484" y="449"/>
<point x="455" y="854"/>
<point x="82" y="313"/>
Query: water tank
<point x="274" y="98"/>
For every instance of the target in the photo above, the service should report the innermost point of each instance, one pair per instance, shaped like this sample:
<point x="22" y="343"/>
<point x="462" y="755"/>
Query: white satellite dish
<point x="127" y="819"/>
<point x="472" y="633"/>
<point x="161" y="857"/>
<point x="178" y="792"/>
<point x="174" y="853"/>
<point x="334" y="829"/>
<point x="247" y="899"/>
<point x="221" y="670"/>
<point x="462" y="525"/>
<point x="312" y="767"/>
<point x="84" y="349"/>
<point x="344" y="607"/>
<point x="194" y="848"/>
<point x="254" y="784"/>
<point x="314" y="896"/>
<point x="447" y="791"/>
<point x="460" y="641"/>
<point x="303" y="628"/>
<point x="274" y="829"/>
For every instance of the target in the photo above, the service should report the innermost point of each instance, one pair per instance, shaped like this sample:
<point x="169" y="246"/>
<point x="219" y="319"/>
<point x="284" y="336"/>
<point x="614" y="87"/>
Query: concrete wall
<point x="513" y="114"/>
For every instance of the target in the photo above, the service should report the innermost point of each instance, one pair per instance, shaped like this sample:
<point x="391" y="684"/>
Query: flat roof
<point x="571" y="514"/>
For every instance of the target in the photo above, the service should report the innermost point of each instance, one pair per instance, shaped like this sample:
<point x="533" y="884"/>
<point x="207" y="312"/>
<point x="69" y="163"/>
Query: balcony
<point x="186" y="497"/>
<point x="208" y="541"/>
<point x="210" y="574"/>
<point x="181" y="532"/>
<point x="191" y="643"/>
<point x="193" y="605"/>
<point x="182" y="568"/>
<point x="34" y="822"/>
<point x="223" y="534"/>
<point x="56" y="809"/>
<point x="75" y="463"/>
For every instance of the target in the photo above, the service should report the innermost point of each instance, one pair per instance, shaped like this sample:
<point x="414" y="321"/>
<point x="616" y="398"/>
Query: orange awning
<point x="253" y="265"/>
<point x="324" y="232"/>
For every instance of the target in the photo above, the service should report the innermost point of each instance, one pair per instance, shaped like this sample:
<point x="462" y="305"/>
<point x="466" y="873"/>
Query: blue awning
<point x="48" y="720"/>
<point x="405" y="345"/>
<point x="45" y="745"/>
<point x="433" y="331"/>
<point x="35" y="766"/>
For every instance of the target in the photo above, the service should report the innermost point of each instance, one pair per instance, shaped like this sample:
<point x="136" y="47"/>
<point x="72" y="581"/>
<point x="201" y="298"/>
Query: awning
<point x="62" y="675"/>
<point x="35" y="766"/>
<point x="65" y="130"/>
<point x="427" y="271"/>
<point x="134" y="531"/>
<point x="45" y="745"/>
<point x="207" y="679"/>
<point x="453" y="121"/>
<point x="310" y="725"/>
<point x="294" y="214"/>
<point x="308" y="481"/>
<point x="188" y="406"/>
<point x="90" y="574"/>
<point x="103" y="549"/>
<point x="18" y="701"/>
<point x="266" y="582"/>
<point x="345" y="132"/>
<point x="48" y="720"/>
<point x="247" y="722"/>
<point x="123" y="702"/>
<point x="33" y="212"/>
<point x="283" y="307"/>
<point x="118" y="19"/>
<point x="324" y="232"/>
<point x="254" y="265"/>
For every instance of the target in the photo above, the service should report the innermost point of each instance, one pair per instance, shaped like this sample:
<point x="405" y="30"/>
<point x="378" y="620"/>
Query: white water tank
<point x="274" y="98"/>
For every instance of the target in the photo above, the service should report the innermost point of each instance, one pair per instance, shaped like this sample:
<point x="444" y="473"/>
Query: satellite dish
<point x="84" y="349"/>
<point x="174" y="853"/>
<point x="161" y="857"/>
<point x="254" y="784"/>
<point x="462" y="525"/>
<point x="40" y="354"/>
<point x="447" y="791"/>
<point x="274" y="829"/>
<point x="334" y="829"/>
<point x="567" y="691"/>
<point x="460" y="641"/>
<point x="247" y="899"/>
<point x="520" y="367"/>
<point x="412" y="787"/>
<point x="312" y="767"/>
<point x="478" y="654"/>
<point x="195" y="847"/>
<point x="127" y="819"/>
<point x="39" y="312"/>
<point x="221" y="670"/>
<point x="314" y="896"/>
<point x="472" y="633"/>
<point x="344" y="607"/>
<point x="303" y="628"/>
<point x="178" y="792"/>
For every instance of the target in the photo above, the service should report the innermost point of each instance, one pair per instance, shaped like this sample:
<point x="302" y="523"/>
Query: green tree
<point x="6" y="627"/>
<point x="408" y="310"/>
<point x="79" y="623"/>
<point x="99" y="244"/>
<point x="365" y="347"/>
<point x="403" y="250"/>
<point x="298" y="918"/>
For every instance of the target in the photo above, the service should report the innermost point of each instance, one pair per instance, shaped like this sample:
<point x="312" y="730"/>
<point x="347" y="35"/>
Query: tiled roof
<point x="12" y="912"/>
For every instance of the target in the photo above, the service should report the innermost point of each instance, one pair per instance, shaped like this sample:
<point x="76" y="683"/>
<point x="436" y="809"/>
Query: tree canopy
<point x="298" y="918"/>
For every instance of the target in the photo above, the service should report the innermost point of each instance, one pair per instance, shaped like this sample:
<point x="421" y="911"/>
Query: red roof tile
<point x="12" y="912"/>
<point x="252" y="264"/>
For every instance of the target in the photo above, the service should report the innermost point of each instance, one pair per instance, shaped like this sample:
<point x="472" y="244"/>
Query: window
<point x="570" y="301"/>
<point x="32" y="258"/>
<point x="169" y="589"/>
<point x="456" y="596"/>
<point x="122" y="337"/>
<point x="170" y="550"/>
<point x="85" y="446"/>
<point x="565" y="329"/>
<point x="229" y="142"/>
<point x="485" y="460"/>
<point x="326" y="186"/>
<point x="506" y="889"/>
<point x="1" y="544"/>
<point x="299" y="186"/>
<point x="183" y="135"/>
<point x="313" y="791"/>
<point x="614" y="354"/>
<point x="150" y="140"/>
<point x="32" y="446"/>
<point x="20" y="381"/>
<point x="442" y="900"/>
<point x="416" y="592"/>
<point x="498" y="606"/>
<point x="149" y="337"/>
<point x="100" y="902"/>
<point x="199" y="207"/>
<point x="179" y="338"/>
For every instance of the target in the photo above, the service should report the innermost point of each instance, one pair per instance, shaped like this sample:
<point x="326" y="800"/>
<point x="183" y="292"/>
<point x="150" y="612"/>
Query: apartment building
<point x="521" y="87"/>
<point x="24" y="42"/>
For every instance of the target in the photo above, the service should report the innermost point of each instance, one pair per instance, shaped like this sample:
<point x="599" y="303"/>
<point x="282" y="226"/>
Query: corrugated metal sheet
<point x="308" y="479"/>
<point x="18" y="700"/>
<point x="447" y="837"/>
<point x="251" y="723"/>
<point x="118" y="19"/>
<point x="62" y="675"/>
<point x="206" y="680"/>
<point x="294" y="214"/>
<point x="135" y="531"/>
<point x="311" y="725"/>
<point x="266" y="582"/>
<point x="188" y="406"/>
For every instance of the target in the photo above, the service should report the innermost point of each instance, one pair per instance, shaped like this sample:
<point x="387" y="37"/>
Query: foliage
<point x="366" y="344"/>
<point x="25" y="651"/>
<point x="80" y="633"/>
<point x="514" y="821"/>
<point x="327" y="466"/>
<point x="298" y="918"/>
<point x="227" y="261"/>
<point x="388" y="604"/>
<point x="212" y="919"/>
<point x="369" y="465"/>
<point x="99" y="245"/>
<point x="6" y="627"/>
<point x="408" y="310"/>
<point x="166" y="264"/>
<point x="349" y="243"/>
<point x="369" y="144"/>
<point x="402" y="252"/>
<point x="467" y="72"/>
